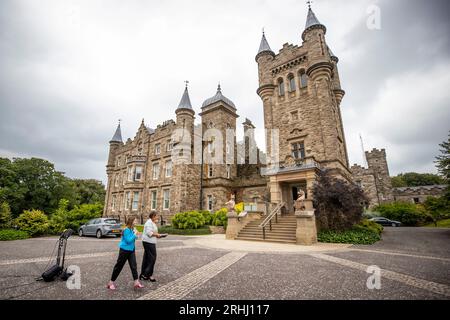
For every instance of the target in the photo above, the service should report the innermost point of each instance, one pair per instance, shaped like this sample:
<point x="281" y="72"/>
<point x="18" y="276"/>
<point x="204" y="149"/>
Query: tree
<point x="413" y="179"/>
<point x="443" y="160"/>
<point x="339" y="204"/>
<point x="89" y="191"/>
<point x="5" y="215"/>
<point x="33" y="184"/>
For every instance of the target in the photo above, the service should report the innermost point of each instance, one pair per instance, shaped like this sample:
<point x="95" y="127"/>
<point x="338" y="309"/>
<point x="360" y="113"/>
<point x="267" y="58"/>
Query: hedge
<point x="11" y="234"/>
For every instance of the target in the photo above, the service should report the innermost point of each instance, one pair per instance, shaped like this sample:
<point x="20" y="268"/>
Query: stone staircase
<point x="284" y="231"/>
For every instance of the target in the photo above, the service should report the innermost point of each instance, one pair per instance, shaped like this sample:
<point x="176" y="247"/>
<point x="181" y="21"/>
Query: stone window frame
<point x="168" y="168"/>
<point x="292" y="113"/>
<point x="157" y="148"/>
<point x="130" y="173"/>
<point x="116" y="179"/>
<point x="301" y="151"/>
<point x="228" y="171"/>
<point x="113" y="203"/>
<point x="136" y="173"/>
<point x="156" y="173"/>
<point x="127" y="201"/>
<point x="210" y="171"/>
<point x="153" y="201"/>
<point x="281" y="88"/>
<point x="135" y="201"/>
<point x="210" y="202"/>
<point x="166" y="201"/>
<point x="303" y="79"/>
<point x="291" y="82"/>
<point x="169" y="146"/>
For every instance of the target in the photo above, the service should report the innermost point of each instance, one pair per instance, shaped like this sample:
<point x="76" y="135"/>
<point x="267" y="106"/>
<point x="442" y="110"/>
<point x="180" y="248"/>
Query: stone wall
<point x="418" y="194"/>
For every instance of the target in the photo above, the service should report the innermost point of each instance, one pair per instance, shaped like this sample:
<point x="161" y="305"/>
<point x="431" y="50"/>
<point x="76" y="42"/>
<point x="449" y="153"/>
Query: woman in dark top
<point x="126" y="253"/>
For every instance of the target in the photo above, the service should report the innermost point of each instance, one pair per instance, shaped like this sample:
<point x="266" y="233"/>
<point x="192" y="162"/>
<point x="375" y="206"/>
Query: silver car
<point x="101" y="227"/>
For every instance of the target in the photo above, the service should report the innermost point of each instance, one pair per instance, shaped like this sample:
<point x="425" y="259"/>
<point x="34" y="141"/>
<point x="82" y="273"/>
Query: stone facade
<point x="418" y="194"/>
<point x="157" y="170"/>
<point x="375" y="180"/>
<point x="301" y="94"/>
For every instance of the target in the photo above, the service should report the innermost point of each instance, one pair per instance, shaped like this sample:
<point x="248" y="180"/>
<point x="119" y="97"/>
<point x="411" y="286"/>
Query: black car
<point x="386" y="222"/>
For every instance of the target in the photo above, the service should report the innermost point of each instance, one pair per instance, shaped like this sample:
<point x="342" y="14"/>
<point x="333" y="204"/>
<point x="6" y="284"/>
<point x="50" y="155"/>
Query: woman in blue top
<point x="126" y="253"/>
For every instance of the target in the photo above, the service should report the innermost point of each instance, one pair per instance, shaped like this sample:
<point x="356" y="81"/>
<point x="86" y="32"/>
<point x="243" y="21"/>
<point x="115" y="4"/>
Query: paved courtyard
<point x="414" y="262"/>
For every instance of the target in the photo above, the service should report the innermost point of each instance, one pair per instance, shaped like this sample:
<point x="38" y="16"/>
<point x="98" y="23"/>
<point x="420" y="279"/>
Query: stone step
<point x="267" y="240"/>
<point x="271" y="234"/>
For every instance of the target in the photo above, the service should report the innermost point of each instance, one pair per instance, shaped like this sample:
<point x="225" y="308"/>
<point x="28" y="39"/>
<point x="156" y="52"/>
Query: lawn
<point x="441" y="224"/>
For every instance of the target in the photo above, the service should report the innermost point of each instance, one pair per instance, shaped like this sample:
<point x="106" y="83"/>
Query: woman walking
<point x="149" y="237"/>
<point x="126" y="253"/>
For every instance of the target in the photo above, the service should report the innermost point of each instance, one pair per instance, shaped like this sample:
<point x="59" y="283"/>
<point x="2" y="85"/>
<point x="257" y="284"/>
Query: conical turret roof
<point x="117" y="135"/>
<point x="185" y="102"/>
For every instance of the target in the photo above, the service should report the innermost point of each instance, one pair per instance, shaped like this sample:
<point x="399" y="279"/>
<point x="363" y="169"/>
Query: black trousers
<point x="125" y="256"/>
<point x="148" y="262"/>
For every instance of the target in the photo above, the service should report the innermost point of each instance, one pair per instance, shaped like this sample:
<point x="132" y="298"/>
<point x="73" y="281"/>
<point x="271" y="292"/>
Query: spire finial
<point x="186" y="83"/>
<point x="263" y="31"/>
<point x="219" y="89"/>
<point x="309" y="3"/>
<point x="120" y="120"/>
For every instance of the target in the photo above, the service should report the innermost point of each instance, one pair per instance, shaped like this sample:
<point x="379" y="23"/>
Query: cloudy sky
<point x="70" y="69"/>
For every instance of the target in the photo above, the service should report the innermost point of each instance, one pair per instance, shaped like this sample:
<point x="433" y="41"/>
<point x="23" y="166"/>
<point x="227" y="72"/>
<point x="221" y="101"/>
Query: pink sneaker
<point x="111" y="286"/>
<point x="138" y="285"/>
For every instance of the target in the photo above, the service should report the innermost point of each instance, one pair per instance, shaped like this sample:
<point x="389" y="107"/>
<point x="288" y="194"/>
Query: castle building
<point x="301" y="94"/>
<point x="144" y="175"/>
<point x="301" y="98"/>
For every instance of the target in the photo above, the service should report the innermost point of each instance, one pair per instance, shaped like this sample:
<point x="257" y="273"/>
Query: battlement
<point x="358" y="170"/>
<point x="376" y="153"/>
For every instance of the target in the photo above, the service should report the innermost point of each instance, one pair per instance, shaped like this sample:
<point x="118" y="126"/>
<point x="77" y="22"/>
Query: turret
<point x="338" y="92"/>
<point x="264" y="58"/>
<point x="114" y="144"/>
<point x="313" y="36"/>
<point x="185" y="113"/>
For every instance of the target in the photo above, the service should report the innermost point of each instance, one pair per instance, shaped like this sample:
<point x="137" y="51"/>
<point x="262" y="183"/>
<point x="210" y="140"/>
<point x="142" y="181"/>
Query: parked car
<point x="101" y="227"/>
<point x="386" y="222"/>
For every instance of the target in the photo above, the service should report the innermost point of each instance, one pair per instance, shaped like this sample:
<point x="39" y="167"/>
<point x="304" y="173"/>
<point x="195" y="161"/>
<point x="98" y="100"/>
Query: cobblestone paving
<point x="181" y="287"/>
<point x="391" y="275"/>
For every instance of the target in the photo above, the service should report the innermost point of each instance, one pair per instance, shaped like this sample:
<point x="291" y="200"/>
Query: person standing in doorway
<point x="127" y="253"/>
<point x="149" y="237"/>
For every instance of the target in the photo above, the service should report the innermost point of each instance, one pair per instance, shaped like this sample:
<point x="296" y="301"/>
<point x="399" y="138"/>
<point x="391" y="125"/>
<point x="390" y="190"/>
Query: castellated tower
<point x="376" y="160"/>
<point x="301" y="93"/>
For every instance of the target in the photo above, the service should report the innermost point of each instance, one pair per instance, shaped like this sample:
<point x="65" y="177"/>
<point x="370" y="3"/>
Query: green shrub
<point x="35" y="222"/>
<point x="353" y="236"/>
<point x="82" y="214"/>
<point x="438" y="208"/>
<point x="369" y="225"/>
<point x="11" y="234"/>
<point x="188" y="220"/>
<point x="186" y="232"/>
<point x="5" y="215"/>
<point x="220" y="218"/>
<point x="408" y="214"/>
<point x="208" y="216"/>
<point x="60" y="218"/>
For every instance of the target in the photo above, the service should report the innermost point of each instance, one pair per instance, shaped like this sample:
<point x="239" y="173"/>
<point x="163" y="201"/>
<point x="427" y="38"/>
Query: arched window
<point x="303" y="79"/>
<point x="281" y="87"/>
<point x="291" y="79"/>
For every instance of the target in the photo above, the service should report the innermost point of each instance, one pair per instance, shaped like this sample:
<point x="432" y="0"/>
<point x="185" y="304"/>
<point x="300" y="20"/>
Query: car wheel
<point x="117" y="235"/>
<point x="394" y="225"/>
<point x="99" y="234"/>
<point x="81" y="233"/>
